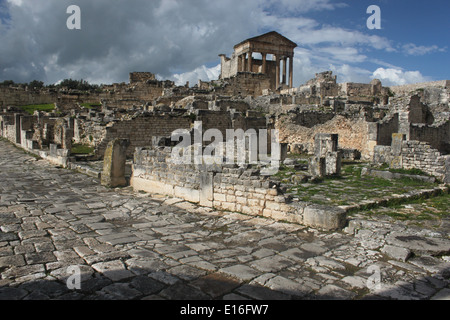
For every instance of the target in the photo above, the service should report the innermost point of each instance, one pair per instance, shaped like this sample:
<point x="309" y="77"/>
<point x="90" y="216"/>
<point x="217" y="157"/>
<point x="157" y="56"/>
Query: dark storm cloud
<point x="117" y="37"/>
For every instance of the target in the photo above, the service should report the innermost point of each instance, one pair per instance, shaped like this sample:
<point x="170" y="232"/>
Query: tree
<point x="7" y="83"/>
<point x="35" y="84"/>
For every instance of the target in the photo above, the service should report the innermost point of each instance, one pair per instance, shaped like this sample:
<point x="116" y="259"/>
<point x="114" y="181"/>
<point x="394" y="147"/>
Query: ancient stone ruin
<point x="406" y="127"/>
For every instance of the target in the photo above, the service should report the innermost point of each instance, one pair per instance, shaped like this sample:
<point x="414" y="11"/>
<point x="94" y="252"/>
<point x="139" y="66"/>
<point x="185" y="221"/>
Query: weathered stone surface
<point x="187" y="252"/>
<point x="398" y="253"/>
<point x="113" y="174"/>
<point x="420" y="244"/>
<point x="241" y="272"/>
<point x="114" y="270"/>
<point x="323" y="217"/>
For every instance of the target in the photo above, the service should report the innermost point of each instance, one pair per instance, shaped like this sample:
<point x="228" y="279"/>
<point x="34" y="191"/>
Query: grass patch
<point x="91" y="105"/>
<point x="409" y="171"/>
<point x="422" y="211"/>
<point x="81" y="149"/>
<point x="284" y="172"/>
<point x="350" y="188"/>
<point x="30" y="109"/>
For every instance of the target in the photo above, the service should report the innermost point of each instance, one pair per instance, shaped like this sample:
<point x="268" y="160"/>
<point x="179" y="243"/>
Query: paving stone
<point x="287" y="286"/>
<point x="356" y="282"/>
<point x="120" y="291"/>
<point x="215" y="284"/>
<point x="186" y="272"/>
<point x="241" y="272"/>
<point x="145" y="266"/>
<point x="258" y="292"/>
<point x="181" y="291"/>
<point x="114" y="270"/>
<point x="398" y="253"/>
<point x="443" y="294"/>
<point x="10" y="261"/>
<point x="164" y="277"/>
<point x="272" y="264"/>
<point x="146" y="285"/>
<point x="12" y="294"/>
<point x="49" y="288"/>
<point x="332" y="292"/>
<point x="142" y="249"/>
<point x="40" y="257"/>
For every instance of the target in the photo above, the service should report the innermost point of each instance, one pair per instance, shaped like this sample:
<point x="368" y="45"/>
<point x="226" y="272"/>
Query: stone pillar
<point x="242" y="63"/>
<point x="17" y="126"/>
<point x="277" y="72"/>
<point x="113" y="174"/>
<point x="291" y="71"/>
<point x="324" y="143"/>
<point x="317" y="167"/>
<point x="206" y="189"/>
<point x="396" y="150"/>
<point x="327" y="159"/>
<point x="264" y="63"/>
<point x="250" y="62"/>
<point x="67" y="136"/>
<point x="284" y="69"/>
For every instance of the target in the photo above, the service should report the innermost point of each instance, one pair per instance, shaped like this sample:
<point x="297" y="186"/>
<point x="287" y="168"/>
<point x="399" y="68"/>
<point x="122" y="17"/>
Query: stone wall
<point x="437" y="136"/>
<point x="135" y="94"/>
<point x="8" y="127"/>
<point x="140" y="131"/>
<point x="421" y="155"/>
<point x="227" y="187"/>
<point x="244" y="84"/>
<point x="405" y="89"/>
<point x="122" y="95"/>
<point x="141" y="77"/>
<point x="412" y="154"/>
<point x="353" y="132"/>
<point x="18" y="97"/>
<point x="386" y="128"/>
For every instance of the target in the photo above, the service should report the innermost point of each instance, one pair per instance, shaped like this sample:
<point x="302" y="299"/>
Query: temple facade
<point x="268" y="54"/>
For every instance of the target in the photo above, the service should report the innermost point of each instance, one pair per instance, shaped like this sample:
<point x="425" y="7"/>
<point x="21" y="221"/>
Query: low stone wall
<point x="405" y="89"/>
<point x="227" y="187"/>
<point x="414" y="154"/>
<point x="422" y="156"/>
<point x="437" y="136"/>
<point x="140" y="131"/>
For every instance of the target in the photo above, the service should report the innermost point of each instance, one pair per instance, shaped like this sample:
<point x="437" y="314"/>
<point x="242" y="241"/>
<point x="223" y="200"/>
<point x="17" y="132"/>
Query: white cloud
<point x="393" y="77"/>
<point x="15" y="2"/>
<point x="414" y="50"/>
<point x="347" y="73"/>
<point x="201" y="73"/>
<point x="173" y="38"/>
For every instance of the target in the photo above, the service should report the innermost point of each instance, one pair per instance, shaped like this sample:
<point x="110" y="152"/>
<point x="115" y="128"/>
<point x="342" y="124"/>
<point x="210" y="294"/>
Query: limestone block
<point x="317" y="166"/>
<point x="397" y="142"/>
<point x="206" y="188"/>
<point x="323" y="217"/>
<point x="446" y="176"/>
<point x="188" y="194"/>
<point x="324" y="143"/>
<point x="113" y="174"/>
<point x="333" y="163"/>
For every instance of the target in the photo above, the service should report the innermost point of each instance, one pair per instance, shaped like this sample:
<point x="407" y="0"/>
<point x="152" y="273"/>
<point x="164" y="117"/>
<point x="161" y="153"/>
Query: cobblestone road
<point x="132" y="246"/>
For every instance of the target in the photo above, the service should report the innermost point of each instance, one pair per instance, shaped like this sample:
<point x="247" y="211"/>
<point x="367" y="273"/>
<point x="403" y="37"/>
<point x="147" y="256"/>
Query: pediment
<point x="272" y="38"/>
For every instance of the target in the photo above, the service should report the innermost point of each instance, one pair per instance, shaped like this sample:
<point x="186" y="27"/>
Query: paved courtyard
<point x="130" y="245"/>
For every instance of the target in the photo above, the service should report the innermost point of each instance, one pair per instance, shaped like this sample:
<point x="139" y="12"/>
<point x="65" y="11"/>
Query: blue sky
<point x="181" y="39"/>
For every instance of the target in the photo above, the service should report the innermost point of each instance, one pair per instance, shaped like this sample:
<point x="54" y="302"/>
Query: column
<point x="250" y="62"/>
<point x="291" y="71"/>
<point x="284" y="69"/>
<point x="277" y="72"/>
<point x="263" y="62"/>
